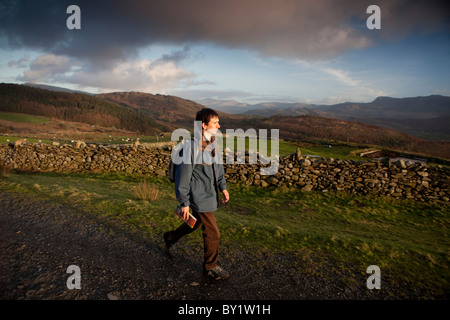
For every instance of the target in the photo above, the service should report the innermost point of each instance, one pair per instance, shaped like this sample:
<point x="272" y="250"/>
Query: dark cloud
<point x="46" y="67"/>
<point x="115" y="30"/>
<point x="176" y="56"/>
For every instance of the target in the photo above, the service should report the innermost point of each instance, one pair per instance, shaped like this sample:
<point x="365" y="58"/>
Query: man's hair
<point x="205" y="115"/>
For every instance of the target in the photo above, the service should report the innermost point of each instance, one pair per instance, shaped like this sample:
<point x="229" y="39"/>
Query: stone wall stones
<point x="400" y="179"/>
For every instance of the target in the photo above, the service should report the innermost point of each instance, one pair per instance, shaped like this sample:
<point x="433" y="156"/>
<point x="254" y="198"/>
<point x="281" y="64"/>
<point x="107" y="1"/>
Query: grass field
<point x="101" y="139"/>
<point x="285" y="147"/>
<point x="408" y="240"/>
<point x="23" y="118"/>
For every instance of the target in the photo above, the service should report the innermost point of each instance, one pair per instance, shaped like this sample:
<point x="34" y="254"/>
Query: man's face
<point x="212" y="126"/>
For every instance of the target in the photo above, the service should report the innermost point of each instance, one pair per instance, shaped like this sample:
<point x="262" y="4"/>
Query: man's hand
<point x="185" y="212"/>
<point x="226" y="196"/>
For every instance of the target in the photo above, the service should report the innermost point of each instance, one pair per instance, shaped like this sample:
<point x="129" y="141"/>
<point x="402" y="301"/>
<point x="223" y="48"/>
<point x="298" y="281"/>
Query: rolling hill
<point x="75" y="107"/>
<point x="169" y="111"/>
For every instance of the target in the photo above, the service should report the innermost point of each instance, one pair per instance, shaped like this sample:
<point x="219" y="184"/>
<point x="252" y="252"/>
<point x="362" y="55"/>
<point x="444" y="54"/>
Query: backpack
<point x="173" y="167"/>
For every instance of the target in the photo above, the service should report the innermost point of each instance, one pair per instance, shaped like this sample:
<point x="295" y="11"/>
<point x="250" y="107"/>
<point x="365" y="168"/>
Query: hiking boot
<point x="167" y="243"/>
<point x="217" y="273"/>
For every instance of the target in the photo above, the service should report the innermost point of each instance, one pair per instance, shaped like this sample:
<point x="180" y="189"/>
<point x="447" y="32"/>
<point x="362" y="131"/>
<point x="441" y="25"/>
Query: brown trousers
<point x="211" y="237"/>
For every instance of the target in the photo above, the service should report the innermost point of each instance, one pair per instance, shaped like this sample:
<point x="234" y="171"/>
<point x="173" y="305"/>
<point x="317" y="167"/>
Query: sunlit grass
<point x="146" y="191"/>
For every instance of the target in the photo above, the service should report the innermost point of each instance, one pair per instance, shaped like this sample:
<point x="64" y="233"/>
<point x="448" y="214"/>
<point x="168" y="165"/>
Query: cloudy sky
<point x="317" y="51"/>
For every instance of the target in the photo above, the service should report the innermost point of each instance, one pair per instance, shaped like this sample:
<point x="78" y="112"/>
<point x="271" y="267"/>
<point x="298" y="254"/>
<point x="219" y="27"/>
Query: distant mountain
<point x="425" y="117"/>
<point x="392" y="108"/>
<point x="228" y="106"/>
<point x="429" y="107"/>
<point x="265" y="109"/>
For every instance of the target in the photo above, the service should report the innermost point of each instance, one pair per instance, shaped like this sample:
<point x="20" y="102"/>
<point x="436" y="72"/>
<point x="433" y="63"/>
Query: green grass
<point x="284" y="147"/>
<point x="408" y="240"/>
<point x="8" y="139"/>
<point x="24" y="118"/>
<point x="99" y="138"/>
<point x="126" y="139"/>
<point x="337" y="151"/>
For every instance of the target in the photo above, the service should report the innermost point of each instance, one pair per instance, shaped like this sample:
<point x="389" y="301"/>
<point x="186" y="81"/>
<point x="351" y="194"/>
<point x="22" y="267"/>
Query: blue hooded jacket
<point x="194" y="180"/>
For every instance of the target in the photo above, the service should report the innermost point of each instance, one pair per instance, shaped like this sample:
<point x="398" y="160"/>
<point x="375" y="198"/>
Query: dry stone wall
<point x="400" y="179"/>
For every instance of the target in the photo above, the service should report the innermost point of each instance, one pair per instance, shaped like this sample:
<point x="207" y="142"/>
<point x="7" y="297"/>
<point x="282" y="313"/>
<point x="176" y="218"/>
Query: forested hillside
<point x="75" y="107"/>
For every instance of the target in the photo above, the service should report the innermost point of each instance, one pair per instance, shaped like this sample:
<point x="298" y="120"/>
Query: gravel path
<point x="39" y="240"/>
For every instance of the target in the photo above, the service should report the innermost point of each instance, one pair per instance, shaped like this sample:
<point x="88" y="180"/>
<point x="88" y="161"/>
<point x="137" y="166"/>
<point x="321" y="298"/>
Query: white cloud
<point x="20" y="63"/>
<point x="44" y="68"/>
<point x="156" y="75"/>
<point x="341" y="76"/>
<point x="362" y="90"/>
<point x="140" y="75"/>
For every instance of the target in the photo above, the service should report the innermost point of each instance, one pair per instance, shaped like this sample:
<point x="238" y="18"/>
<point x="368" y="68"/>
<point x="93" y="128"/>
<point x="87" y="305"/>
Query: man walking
<point x="196" y="185"/>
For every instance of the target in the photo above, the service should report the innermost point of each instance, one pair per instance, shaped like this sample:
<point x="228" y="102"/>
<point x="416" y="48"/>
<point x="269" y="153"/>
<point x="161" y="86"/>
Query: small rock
<point x="422" y="173"/>
<point x="400" y="163"/>
<point x="264" y="184"/>
<point x="272" y="180"/>
<point x="305" y="163"/>
<point x="112" y="296"/>
<point x="80" y="144"/>
<point x="298" y="154"/>
<point x="19" y="142"/>
<point x="160" y="172"/>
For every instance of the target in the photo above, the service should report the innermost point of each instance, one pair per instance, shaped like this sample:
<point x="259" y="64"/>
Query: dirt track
<point x="39" y="240"/>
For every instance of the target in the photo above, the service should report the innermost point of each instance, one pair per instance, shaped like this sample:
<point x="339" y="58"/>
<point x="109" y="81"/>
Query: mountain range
<point x="425" y="117"/>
